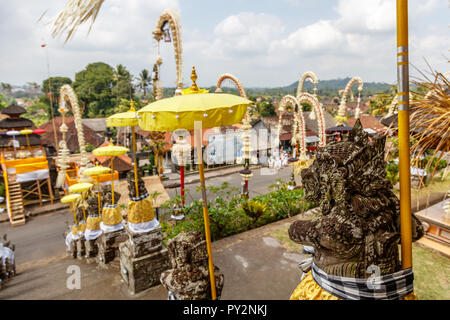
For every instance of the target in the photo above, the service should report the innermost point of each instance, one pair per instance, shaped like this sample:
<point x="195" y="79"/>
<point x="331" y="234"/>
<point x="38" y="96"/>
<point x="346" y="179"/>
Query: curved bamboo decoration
<point x="342" y="107"/>
<point x="298" y="134"/>
<point x="173" y="18"/>
<point x="308" y="75"/>
<point x="311" y="100"/>
<point x="66" y="93"/>
<point x="311" y="75"/>
<point x="236" y="82"/>
<point x="392" y="107"/>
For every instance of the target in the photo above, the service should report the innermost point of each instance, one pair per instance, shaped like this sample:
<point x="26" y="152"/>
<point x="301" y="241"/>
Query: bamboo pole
<point x="403" y="133"/>
<point x="135" y="163"/>
<point x="198" y="137"/>
<point x="98" y="197"/>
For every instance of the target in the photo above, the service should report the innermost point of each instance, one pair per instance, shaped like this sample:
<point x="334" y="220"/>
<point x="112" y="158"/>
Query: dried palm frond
<point x="430" y="121"/>
<point x="74" y="14"/>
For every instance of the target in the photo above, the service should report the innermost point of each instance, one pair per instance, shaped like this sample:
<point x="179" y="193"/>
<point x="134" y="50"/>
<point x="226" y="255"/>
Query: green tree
<point x="93" y="86"/>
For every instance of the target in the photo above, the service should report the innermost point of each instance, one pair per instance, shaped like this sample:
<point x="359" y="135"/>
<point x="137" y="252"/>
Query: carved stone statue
<point x="132" y="185"/>
<point x="358" y="224"/>
<point x="189" y="277"/>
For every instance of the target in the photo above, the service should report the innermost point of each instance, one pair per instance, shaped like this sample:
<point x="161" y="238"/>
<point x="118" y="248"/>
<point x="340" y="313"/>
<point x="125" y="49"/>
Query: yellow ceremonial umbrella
<point x="110" y="151"/>
<point x="195" y="110"/>
<point x="127" y="119"/>
<point x="81" y="188"/>
<point x="96" y="171"/>
<point x="71" y="198"/>
<point x="26" y="132"/>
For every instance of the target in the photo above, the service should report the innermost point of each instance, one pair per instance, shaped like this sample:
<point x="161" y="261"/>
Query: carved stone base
<point x="142" y="272"/>
<point x="81" y="249"/>
<point x="108" y="246"/>
<point x="140" y="244"/>
<point x="91" y="250"/>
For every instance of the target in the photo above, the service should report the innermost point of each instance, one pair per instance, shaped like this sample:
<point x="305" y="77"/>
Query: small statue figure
<point x="357" y="230"/>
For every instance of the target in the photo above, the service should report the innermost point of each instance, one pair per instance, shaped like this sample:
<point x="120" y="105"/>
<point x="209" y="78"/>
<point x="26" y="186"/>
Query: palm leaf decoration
<point x="74" y="14"/>
<point x="430" y="121"/>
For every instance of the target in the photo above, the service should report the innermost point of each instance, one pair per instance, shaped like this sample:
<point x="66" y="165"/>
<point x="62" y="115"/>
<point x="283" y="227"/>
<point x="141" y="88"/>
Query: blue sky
<point x="263" y="43"/>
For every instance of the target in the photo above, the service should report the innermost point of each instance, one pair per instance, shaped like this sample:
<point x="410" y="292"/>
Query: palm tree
<point x="6" y="87"/>
<point x="121" y="73"/>
<point x="144" y="80"/>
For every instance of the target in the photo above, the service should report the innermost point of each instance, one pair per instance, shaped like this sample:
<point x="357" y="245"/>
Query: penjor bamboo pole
<point x="112" y="181"/>
<point x="198" y="137"/>
<point x="403" y="133"/>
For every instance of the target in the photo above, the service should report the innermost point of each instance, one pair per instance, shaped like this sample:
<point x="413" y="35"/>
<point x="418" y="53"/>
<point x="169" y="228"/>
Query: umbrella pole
<point x="403" y="133"/>
<point x="135" y="163"/>
<point x="74" y="215"/>
<point x="98" y="196"/>
<point x="112" y="179"/>
<point x="198" y="136"/>
<point x="28" y="143"/>
<point x="182" y="184"/>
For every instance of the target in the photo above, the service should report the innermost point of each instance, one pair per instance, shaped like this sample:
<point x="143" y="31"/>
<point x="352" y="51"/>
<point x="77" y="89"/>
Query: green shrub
<point x="229" y="213"/>
<point x="392" y="172"/>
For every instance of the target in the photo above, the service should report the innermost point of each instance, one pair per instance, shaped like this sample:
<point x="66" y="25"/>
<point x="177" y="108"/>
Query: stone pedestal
<point x="91" y="250"/>
<point x="143" y="259"/>
<point x="108" y="246"/>
<point x="80" y="247"/>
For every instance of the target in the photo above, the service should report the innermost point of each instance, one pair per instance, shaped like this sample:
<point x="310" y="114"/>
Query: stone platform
<point x="437" y="228"/>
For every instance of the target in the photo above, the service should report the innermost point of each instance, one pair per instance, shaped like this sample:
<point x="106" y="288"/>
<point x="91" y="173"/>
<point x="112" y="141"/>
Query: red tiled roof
<point x="367" y="121"/>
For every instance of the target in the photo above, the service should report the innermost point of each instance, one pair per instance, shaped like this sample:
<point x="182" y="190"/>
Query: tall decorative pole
<point x="246" y="173"/>
<point x="64" y="152"/>
<point x="403" y="133"/>
<point x="182" y="151"/>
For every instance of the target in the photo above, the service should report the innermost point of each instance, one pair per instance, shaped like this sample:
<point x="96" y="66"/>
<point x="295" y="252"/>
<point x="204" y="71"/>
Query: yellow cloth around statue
<point x="308" y="289"/>
<point x="140" y="211"/>
<point x="75" y="230"/>
<point x="82" y="227"/>
<point x="111" y="216"/>
<point x="93" y="223"/>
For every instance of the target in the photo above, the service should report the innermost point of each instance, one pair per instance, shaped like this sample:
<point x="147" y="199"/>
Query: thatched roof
<point x="5" y="140"/>
<point x="15" y="123"/>
<point x="13" y="110"/>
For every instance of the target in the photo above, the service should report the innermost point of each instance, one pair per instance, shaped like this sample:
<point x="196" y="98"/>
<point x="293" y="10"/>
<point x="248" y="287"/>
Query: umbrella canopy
<point x="124" y="119"/>
<point x="180" y="112"/>
<point x="26" y="131"/>
<point x="13" y="133"/>
<point x="80" y="187"/>
<point x="110" y="151"/>
<point x="95" y="171"/>
<point x="39" y="131"/>
<point x="70" y="198"/>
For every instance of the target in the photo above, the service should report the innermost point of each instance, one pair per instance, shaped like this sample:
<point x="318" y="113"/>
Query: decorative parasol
<point x="96" y="171"/>
<point x="71" y="198"/>
<point x="81" y="188"/>
<point x="127" y="119"/>
<point x="195" y="111"/>
<point x="26" y="132"/>
<point x="110" y="151"/>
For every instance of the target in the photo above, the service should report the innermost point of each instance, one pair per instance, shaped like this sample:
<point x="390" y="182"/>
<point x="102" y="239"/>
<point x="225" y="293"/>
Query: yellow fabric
<point x="124" y="119"/>
<point x="17" y="162"/>
<point x="26" y="131"/>
<point x="30" y="167"/>
<point x="95" y="171"/>
<point x="93" y="223"/>
<point x="190" y="90"/>
<point x="308" y="289"/>
<point x="75" y="230"/>
<point x="180" y="112"/>
<point x="110" y="151"/>
<point x="140" y="211"/>
<point x="82" y="227"/>
<point x="80" y="187"/>
<point x="70" y="198"/>
<point x="111" y="216"/>
<point x="106" y="177"/>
